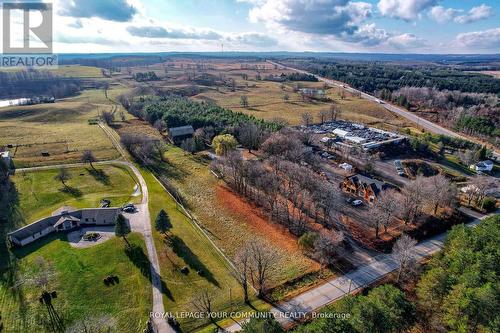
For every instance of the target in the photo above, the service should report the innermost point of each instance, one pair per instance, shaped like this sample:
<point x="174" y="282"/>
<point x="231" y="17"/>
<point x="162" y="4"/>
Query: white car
<point x="357" y="203"/>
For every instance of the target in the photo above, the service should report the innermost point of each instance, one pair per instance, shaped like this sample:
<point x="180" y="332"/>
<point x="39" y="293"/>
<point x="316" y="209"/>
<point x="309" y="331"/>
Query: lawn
<point x="78" y="280"/>
<point x="229" y="220"/>
<point x="61" y="129"/>
<point x="39" y="193"/>
<point x="191" y="248"/>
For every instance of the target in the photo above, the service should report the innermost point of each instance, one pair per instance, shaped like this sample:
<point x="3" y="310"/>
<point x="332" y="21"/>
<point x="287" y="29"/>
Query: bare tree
<point x="412" y="199"/>
<point x="250" y="136"/>
<point x="467" y="157"/>
<point x="203" y="302"/>
<point x="88" y="157"/>
<point x="243" y="261"/>
<point x="333" y="112"/>
<point x="244" y="101"/>
<point x="404" y="253"/>
<point x="108" y="117"/>
<point x="323" y="115"/>
<point x="263" y="260"/>
<point x="160" y="125"/>
<point x="328" y="246"/>
<point x="63" y="176"/>
<point x="384" y="209"/>
<point x="306" y="118"/>
<point x="439" y="192"/>
<point x="484" y="185"/>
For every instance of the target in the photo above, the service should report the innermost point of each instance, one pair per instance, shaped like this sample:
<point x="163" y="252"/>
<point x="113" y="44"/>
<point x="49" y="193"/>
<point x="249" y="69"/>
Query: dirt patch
<point x="136" y="126"/>
<point x="256" y="220"/>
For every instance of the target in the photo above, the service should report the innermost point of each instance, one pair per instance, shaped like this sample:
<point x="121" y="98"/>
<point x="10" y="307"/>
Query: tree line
<point x="35" y="83"/>
<point x="179" y="111"/>
<point x="293" y="194"/>
<point x="372" y="76"/>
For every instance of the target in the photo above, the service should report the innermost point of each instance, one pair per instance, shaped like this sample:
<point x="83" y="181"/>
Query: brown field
<point x="491" y="73"/>
<point x="229" y="220"/>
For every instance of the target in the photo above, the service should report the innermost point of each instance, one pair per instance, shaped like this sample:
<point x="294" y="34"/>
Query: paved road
<point x="349" y="283"/>
<point x="421" y="122"/>
<point x="141" y="222"/>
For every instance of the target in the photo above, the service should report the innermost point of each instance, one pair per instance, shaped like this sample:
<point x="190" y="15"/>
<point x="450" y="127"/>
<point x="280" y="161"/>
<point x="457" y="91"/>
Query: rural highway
<point x="421" y="122"/>
<point x="350" y="283"/>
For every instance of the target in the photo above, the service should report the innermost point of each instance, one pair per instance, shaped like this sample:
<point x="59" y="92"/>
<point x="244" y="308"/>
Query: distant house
<point x="483" y="166"/>
<point x="64" y="219"/>
<point x="314" y="93"/>
<point x="7" y="159"/>
<point x="178" y="134"/>
<point x="363" y="187"/>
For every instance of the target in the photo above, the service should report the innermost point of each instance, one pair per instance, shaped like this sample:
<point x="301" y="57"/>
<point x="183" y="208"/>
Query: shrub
<point x="489" y="204"/>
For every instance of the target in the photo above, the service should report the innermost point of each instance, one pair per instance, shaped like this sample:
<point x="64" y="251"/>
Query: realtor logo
<point x="27" y="28"/>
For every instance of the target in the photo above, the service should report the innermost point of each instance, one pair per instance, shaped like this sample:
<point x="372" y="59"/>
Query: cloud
<point x="406" y="41"/>
<point x="77" y="24"/>
<point x="254" y="39"/>
<point x="112" y="10"/>
<point x="486" y="39"/>
<point x="475" y="14"/>
<point x="161" y="32"/>
<point x="369" y="35"/>
<point x="407" y="10"/>
<point x="323" y="17"/>
<point x="443" y="15"/>
<point x="62" y="38"/>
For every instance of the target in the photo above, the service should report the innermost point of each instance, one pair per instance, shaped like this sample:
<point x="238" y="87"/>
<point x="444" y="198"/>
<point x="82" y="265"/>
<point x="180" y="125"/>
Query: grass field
<point x="266" y="101"/>
<point x="61" y="129"/>
<point x="78" y="281"/>
<point x="40" y="194"/>
<point x="228" y="220"/>
<point x="191" y="249"/>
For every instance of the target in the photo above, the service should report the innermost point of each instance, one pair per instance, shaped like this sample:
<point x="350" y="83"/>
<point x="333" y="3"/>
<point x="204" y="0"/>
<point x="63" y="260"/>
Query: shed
<point x="177" y="134"/>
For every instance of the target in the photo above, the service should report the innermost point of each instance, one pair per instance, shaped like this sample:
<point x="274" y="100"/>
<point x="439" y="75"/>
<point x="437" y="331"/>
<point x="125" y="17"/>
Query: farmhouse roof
<point x="35" y="227"/>
<point x="180" y="131"/>
<point x="375" y="185"/>
<point x="65" y="218"/>
<point x="65" y="214"/>
<point x="108" y="214"/>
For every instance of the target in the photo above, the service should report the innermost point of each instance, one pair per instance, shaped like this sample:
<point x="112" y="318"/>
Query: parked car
<point x="399" y="168"/>
<point x="128" y="209"/>
<point x="357" y="203"/>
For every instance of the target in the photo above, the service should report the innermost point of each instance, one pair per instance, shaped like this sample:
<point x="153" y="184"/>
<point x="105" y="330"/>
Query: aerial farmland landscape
<point x="255" y="166"/>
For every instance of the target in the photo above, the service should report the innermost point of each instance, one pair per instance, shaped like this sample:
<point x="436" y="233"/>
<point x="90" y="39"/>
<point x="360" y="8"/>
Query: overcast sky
<point x="402" y="26"/>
